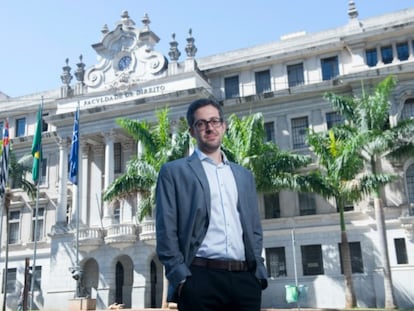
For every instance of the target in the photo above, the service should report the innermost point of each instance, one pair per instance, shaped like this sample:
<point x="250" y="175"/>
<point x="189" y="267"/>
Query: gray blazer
<point x="183" y="212"/>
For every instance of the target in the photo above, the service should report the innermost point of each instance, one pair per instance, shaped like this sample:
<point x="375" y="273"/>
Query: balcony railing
<point x="121" y="235"/>
<point x="90" y="238"/>
<point x="147" y="233"/>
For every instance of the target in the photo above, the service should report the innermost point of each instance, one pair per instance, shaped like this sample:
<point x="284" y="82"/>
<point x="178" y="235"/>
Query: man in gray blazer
<point x="209" y="235"/>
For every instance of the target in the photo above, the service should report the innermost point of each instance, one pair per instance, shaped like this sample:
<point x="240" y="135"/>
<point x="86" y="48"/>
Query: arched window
<point x="408" y="110"/>
<point x="409" y="176"/>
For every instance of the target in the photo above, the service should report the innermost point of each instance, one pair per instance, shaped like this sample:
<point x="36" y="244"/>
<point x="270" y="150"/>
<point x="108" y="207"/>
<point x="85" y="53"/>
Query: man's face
<point x="208" y="129"/>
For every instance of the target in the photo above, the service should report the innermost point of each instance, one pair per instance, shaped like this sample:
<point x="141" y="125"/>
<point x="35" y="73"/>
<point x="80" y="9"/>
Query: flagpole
<point x="78" y="281"/>
<point x="39" y="179"/>
<point x="5" y="199"/>
<point x="77" y="273"/>
<point x="6" y="258"/>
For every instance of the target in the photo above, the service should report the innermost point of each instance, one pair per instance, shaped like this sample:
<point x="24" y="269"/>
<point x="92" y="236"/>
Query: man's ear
<point x="191" y="130"/>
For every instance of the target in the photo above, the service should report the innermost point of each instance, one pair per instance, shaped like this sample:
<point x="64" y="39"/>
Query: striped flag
<point x="4" y="163"/>
<point x="74" y="151"/>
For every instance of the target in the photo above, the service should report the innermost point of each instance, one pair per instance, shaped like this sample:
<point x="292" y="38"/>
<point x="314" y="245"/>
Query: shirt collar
<point x="203" y="157"/>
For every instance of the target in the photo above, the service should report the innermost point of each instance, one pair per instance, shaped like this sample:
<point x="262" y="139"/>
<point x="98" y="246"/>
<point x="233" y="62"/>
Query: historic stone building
<point x="284" y="80"/>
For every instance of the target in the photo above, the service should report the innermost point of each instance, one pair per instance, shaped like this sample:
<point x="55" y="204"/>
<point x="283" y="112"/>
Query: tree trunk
<point x="383" y="248"/>
<point x="350" y="300"/>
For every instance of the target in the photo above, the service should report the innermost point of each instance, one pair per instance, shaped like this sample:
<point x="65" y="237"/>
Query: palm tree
<point x="140" y="178"/>
<point x="340" y="177"/>
<point x="159" y="147"/>
<point x="369" y="116"/>
<point x="273" y="169"/>
<point x="17" y="171"/>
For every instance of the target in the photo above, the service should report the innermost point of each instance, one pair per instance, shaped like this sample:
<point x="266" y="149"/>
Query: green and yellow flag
<point x="37" y="147"/>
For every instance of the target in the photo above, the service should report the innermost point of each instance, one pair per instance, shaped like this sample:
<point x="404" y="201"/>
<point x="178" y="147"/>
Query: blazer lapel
<point x="197" y="167"/>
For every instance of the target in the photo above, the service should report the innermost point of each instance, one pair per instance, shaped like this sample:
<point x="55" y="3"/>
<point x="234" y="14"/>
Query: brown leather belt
<point x="228" y="265"/>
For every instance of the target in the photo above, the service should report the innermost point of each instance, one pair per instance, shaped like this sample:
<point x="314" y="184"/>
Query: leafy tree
<point x="369" y="116"/>
<point x="158" y="147"/>
<point x="341" y="176"/>
<point x="273" y="168"/>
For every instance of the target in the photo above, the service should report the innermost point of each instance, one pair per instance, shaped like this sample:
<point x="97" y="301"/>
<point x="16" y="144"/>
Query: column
<point x="84" y="185"/>
<point x="394" y="53"/>
<point x="379" y="56"/>
<point x="410" y="49"/>
<point x="109" y="176"/>
<point x="63" y="181"/>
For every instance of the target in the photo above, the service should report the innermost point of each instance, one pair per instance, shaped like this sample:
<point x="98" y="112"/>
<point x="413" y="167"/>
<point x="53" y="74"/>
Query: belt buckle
<point x="229" y="263"/>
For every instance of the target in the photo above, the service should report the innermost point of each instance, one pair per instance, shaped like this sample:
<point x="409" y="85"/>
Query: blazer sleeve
<point x="166" y="216"/>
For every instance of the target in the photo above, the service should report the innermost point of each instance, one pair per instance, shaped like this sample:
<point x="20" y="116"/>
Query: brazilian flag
<point x="37" y="147"/>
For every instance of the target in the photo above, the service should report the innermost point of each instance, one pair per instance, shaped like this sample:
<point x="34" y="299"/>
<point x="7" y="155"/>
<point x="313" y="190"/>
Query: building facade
<point x="285" y="80"/>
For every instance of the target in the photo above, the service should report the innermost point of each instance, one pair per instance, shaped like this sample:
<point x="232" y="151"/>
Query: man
<point x="209" y="235"/>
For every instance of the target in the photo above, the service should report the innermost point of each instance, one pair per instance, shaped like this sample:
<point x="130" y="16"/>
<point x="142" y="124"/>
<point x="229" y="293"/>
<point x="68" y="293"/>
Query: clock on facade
<point x="124" y="62"/>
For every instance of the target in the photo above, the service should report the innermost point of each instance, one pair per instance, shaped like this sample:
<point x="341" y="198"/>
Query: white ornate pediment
<point x="126" y="57"/>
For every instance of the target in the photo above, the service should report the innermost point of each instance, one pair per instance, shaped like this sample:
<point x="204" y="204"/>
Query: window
<point x="312" y="259"/>
<point x="401" y="251"/>
<point x="386" y="54"/>
<point x="348" y="207"/>
<point x="14" y="227"/>
<point x="38" y="278"/>
<point x="276" y="262"/>
<point x="295" y="75"/>
<point x="372" y="57"/>
<point x="262" y="81"/>
<point x="307" y="204"/>
<point x="231" y="87"/>
<point x="299" y="128"/>
<point x="333" y="118"/>
<point x="44" y="171"/>
<point x="408" y="110"/>
<point x="272" y="205"/>
<point x="45" y="126"/>
<point x="402" y="51"/>
<point x="20" y="127"/>
<point x="38" y="235"/>
<point x="269" y="131"/>
<point x="117" y="158"/>
<point x="330" y="68"/>
<point x="117" y="213"/>
<point x="409" y="177"/>
<point x="68" y="213"/>
<point x="11" y="281"/>
<point x="357" y="265"/>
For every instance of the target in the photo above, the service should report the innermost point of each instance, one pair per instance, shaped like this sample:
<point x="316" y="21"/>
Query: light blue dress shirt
<point x="224" y="238"/>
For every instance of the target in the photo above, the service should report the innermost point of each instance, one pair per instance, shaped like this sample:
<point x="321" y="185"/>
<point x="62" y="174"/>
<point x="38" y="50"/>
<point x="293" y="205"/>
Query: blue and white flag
<point x="74" y="151"/>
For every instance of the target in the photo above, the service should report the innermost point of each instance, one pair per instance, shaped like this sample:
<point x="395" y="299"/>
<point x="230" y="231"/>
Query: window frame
<point x="312" y="255"/>
<point x="330" y="67"/>
<point x="401" y="254"/>
<point x="14" y="225"/>
<point x="357" y="263"/>
<point x="295" y="74"/>
<point x="39" y="235"/>
<point x="263" y="81"/>
<point x="231" y="87"/>
<point x="276" y="268"/>
<point x="298" y="138"/>
<point x="371" y="57"/>
<point x="271" y="203"/>
<point x="20" y="127"/>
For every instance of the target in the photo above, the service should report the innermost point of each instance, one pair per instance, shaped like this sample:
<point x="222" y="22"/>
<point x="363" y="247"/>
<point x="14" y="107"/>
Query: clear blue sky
<point x="37" y="36"/>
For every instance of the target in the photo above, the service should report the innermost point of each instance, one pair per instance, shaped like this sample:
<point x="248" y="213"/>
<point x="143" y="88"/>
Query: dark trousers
<point x="220" y="290"/>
